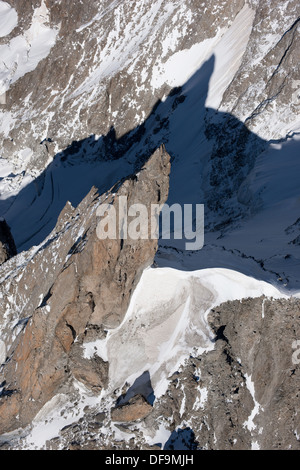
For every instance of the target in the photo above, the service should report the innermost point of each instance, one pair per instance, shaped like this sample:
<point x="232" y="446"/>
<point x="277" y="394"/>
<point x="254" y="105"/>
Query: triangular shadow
<point x="213" y="154"/>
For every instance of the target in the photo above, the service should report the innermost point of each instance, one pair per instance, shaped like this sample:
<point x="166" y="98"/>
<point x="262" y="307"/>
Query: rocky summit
<point x="117" y="330"/>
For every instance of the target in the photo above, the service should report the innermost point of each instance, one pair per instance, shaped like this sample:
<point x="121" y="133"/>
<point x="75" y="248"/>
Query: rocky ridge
<point x="210" y="403"/>
<point x="85" y="289"/>
<point x="118" y="78"/>
<point x="91" y="91"/>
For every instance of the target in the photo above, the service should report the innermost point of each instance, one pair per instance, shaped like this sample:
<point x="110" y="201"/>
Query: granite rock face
<point x="137" y="408"/>
<point x="88" y="92"/>
<point x="89" y="293"/>
<point x="244" y="394"/>
<point x="241" y="395"/>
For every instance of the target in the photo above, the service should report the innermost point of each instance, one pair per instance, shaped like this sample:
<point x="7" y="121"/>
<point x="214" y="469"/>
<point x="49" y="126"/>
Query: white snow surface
<point x="23" y="53"/>
<point x="2" y="352"/>
<point x="167" y="320"/>
<point x="8" y="19"/>
<point x="228" y="47"/>
<point x="249" y="424"/>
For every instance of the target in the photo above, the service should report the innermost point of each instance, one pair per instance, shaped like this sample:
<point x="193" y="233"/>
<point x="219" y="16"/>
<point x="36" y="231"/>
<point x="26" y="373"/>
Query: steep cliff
<point x="119" y="343"/>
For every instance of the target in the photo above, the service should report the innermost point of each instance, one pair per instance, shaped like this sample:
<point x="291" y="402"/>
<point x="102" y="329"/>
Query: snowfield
<point x="23" y="53"/>
<point x="165" y="322"/>
<point x="8" y="19"/>
<point x="167" y="319"/>
<point x="253" y="253"/>
<point x="228" y="47"/>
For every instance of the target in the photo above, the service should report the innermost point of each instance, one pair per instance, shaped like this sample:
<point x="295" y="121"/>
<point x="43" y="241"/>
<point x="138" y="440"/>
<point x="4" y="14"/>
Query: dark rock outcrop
<point x="7" y="244"/>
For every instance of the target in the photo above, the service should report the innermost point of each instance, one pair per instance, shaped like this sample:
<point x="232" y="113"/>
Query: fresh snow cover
<point x="23" y="53"/>
<point x="228" y="47"/>
<point x="161" y="435"/>
<point x="167" y="320"/>
<point x="201" y="399"/>
<point x="228" y="54"/>
<point x="97" y="347"/>
<point x="255" y="446"/>
<point x="55" y="415"/>
<point x="8" y="19"/>
<point x="122" y="50"/>
<point x="183" y="64"/>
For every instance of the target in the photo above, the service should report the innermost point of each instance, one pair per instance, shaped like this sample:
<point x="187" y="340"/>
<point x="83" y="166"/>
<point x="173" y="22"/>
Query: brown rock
<point x="136" y="409"/>
<point x="91" y="291"/>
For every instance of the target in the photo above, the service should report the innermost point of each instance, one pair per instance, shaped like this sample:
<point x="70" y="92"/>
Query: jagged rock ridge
<point x="88" y="91"/>
<point x="90" y="292"/>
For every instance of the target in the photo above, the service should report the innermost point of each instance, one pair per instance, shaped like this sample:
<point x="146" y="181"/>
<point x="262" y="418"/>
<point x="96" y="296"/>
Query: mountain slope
<point x="200" y="351"/>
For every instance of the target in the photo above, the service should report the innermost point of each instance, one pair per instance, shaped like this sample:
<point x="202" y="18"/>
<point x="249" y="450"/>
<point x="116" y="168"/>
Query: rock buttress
<point x="90" y="294"/>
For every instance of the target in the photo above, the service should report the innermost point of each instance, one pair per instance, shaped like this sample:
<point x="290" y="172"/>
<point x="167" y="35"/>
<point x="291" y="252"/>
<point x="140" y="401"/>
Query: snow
<point x="23" y="53"/>
<point x="56" y="414"/>
<point x="160" y="437"/>
<point x="229" y="53"/>
<point x="47" y="423"/>
<point x="201" y="399"/>
<point x="183" y="64"/>
<point x="249" y="424"/>
<point x="263" y="308"/>
<point x="122" y="49"/>
<point x="6" y="168"/>
<point x="62" y="183"/>
<point x="255" y="446"/>
<point x="2" y="352"/>
<point x="8" y="19"/>
<point x="97" y="347"/>
<point x="167" y="318"/>
<point x="228" y="47"/>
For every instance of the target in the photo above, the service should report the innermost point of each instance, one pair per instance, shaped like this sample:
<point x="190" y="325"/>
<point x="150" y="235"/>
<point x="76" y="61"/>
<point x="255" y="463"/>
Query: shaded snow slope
<point x="253" y="229"/>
